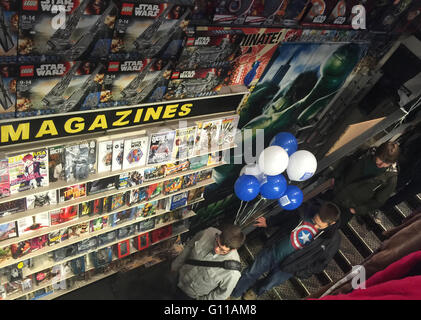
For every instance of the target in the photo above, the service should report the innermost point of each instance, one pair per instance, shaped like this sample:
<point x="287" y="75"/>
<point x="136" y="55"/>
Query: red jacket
<point x="399" y="281"/>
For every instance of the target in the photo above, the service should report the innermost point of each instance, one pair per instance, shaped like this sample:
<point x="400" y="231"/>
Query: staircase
<point x="357" y="243"/>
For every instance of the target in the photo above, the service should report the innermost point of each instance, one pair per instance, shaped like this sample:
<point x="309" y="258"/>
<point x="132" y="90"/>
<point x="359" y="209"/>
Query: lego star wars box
<point x="60" y="87"/>
<point x="9" y="29"/>
<point x="147" y="30"/>
<point x="318" y="11"/>
<point x="51" y="30"/>
<point x="266" y="12"/>
<point x="28" y="171"/>
<point x="196" y="83"/>
<point x="232" y="12"/>
<point x="8" y="80"/>
<point x="207" y="48"/>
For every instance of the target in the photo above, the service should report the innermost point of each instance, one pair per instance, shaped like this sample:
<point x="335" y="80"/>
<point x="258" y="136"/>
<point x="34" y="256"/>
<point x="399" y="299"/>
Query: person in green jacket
<point x="361" y="186"/>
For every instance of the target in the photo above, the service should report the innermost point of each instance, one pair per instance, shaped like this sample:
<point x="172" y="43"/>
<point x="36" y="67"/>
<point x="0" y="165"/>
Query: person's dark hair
<point x="232" y="236"/>
<point x="388" y="152"/>
<point x="329" y="212"/>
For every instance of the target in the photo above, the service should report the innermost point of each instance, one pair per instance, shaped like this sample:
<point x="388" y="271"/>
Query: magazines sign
<point x="77" y="123"/>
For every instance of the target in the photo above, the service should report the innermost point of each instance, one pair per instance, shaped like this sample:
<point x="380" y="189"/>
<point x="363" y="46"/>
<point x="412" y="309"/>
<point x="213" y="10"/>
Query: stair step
<point x="308" y="286"/>
<point x="364" y="240"/>
<point x="332" y="273"/>
<point x="349" y="253"/>
<point x="403" y="209"/>
<point x="378" y="228"/>
<point x="286" y="291"/>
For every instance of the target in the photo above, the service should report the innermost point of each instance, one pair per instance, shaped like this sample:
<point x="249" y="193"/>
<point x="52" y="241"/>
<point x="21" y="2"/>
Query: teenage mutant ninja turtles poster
<point x="298" y="83"/>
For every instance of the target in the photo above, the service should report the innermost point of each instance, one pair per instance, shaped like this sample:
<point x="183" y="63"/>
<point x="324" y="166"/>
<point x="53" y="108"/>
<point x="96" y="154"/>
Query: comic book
<point x="207" y="136"/>
<point x="228" y="131"/>
<point x="161" y="146"/>
<point x="173" y="185"/>
<point x="28" y="171"/>
<point x="84" y="33"/>
<point x="54" y="238"/>
<point x="121" y="217"/>
<point x="177" y="201"/>
<point x="56" y="163"/>
<point x="98" y="206"/>
<point x="154" y="173"/>
<point x="63" y="215"/>
<point x="98" y="224"/>
<point x="214" y="158"/>
<point x="85" y="208"/>
<point x="204" y="175"/>
<point x="135" y="178"/>
<point x="105" y="156"/>
<point x="33" y="223"/>
<point x="117" y="201"/>
<point x="147" y="209"/>
<point x="8" y="230"/>
<point x="8" y="80"/>
<point x="175" y="167"/>
<point x="101" y="185"/>
<point x="92" y="163"/>
<point x="73" y="192"/>
<point x="184" y="143"/>
<point x="4" y="178"/>
<point x="135" y="150"/>
<point x="41" y="199"/>
<point x="189" y="180"/>
<point x="11" y="207"/>
<point x="198" y="162"/>
<point x="195" y="194"/>
<point x="154" y="190"/>
<point x="136" y="196"/>
<point x="118" y="151"/>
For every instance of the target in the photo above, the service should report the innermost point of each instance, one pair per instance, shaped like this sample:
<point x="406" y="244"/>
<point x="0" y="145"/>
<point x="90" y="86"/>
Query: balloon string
<point x="251" y="212"/>
<point x="238" y="212"/>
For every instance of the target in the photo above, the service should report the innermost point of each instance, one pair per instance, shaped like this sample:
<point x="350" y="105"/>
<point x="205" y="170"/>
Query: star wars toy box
<point x="60" y="87"/>
<point x="196" y="83"/>
<point x="207" y="48"/>
<point x="51" y="30"/>
<point x="9" y="29"/>
<point x="8" y="78"/>
<point x="135" y="81"/>
<point x="146" y="29"/>
<point x="264" y="12"/>
<point x="318" y="11"/>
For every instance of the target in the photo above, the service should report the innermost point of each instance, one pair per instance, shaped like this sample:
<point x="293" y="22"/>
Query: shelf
<point x="81" y="284"/>
<point x="65" y="243"/>
<point x="99" y="195"/>
<point x="94" y="177"/>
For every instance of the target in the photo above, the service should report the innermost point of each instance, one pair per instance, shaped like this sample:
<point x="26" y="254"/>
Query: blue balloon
<point x="246" y="187"/>
<point x="285" y="140"/>
<point x="274" y="187"/>
<point x="292" y="198"/>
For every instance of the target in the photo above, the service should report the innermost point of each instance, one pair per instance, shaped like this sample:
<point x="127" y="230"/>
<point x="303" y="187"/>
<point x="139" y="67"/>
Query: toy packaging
<point x="41" y="199"/>
<point x="63" y="215"/>
<point x="175" y="167"/>
<point x="9" y="21"/>
<point x="232" y="12"/>
<point x="210" y="48"/>
<point x="8" y="230"/>
<point x="73" y="192"/>
<point x="8" y="83"/>
<point x="207" y="136"/>
<point x="184" y="143"/>
<point x="228" y="131"/>
<point x="147" y="30"/>
<point x="118" y="151"/>
<point x="28" y="171"/>
<point x="318" y="11"/>
<point x="161" y="146"/>
<point x="135" y="151"/>
<point x="11" y="207"/>
<point x="266" y="12"/>
<point x="56" y="163"/>
<point x="64" y="86"/>
<point x="173" y="185"/>
<point x="4" y="178"/>
<point x="84" y="33"/>
<point x="33" y="223"/>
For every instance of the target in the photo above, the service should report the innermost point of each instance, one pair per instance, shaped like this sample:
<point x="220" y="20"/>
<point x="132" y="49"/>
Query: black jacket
<point x="314" y="257"/>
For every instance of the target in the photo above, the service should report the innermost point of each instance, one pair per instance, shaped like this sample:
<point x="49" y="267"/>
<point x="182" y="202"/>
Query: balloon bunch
<point x="265" y="178"/>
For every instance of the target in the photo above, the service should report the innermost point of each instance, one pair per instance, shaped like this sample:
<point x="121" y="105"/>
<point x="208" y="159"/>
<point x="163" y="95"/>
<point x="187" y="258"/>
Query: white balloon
<point x="251" y="169"/>
<point x="273" y="160"/>
<point x="302" y="165"/>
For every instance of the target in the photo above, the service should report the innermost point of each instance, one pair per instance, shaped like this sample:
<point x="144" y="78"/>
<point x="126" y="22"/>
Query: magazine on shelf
<point x="161" y="146"/>
<point x="4" y="178"/>
<point x="118" y="152"/>
<point x="135" y="150"/>
<point x="228" y="131"/>
<point x="184" y="143"/>
<point x="207" y="136"/>
<point x="105" y="156"/>
<point x="56" y="163"/>
<point x="41" y="199"/>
